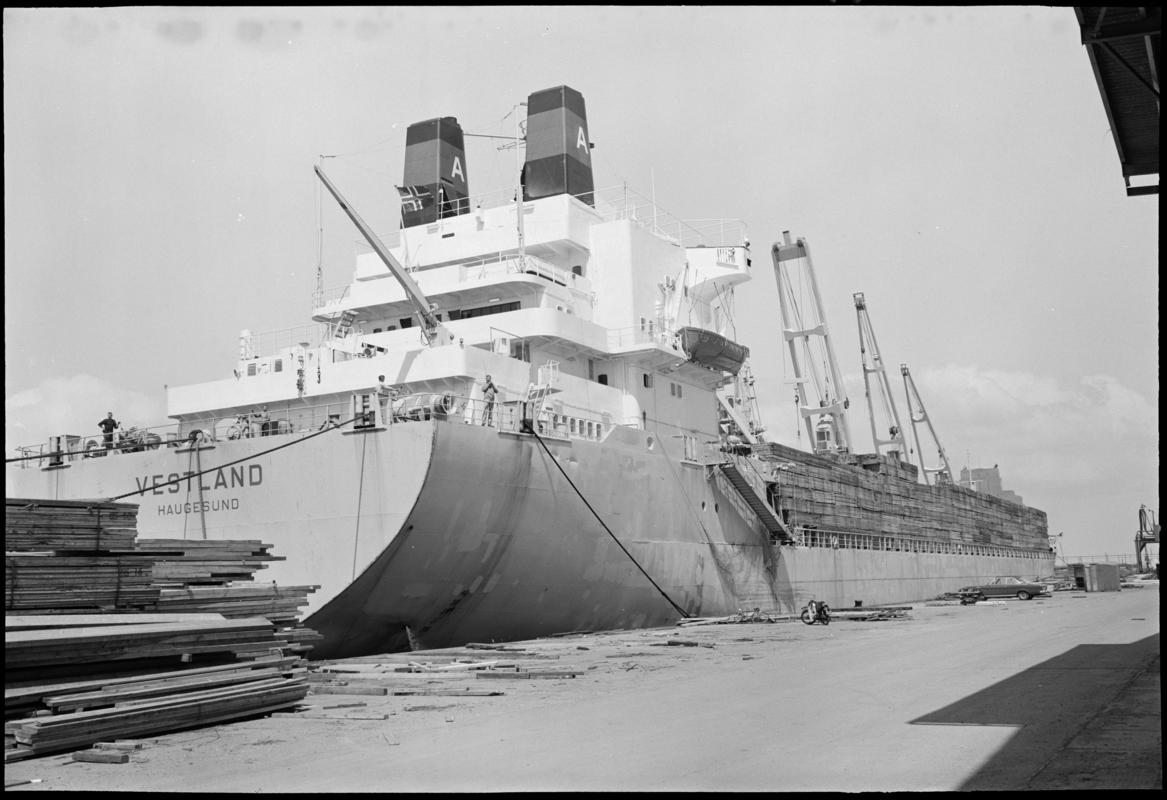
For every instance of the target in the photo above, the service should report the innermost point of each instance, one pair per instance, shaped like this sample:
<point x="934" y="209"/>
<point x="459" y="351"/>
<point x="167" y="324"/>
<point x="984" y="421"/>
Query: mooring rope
<point x="360" y="493"/>
<point x="529" y="429"/>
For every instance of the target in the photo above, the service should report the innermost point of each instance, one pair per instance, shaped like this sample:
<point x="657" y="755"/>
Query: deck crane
<point x="942" y="473"/>
<point x="873" y="365"/>
<point x="831" y="433"/>
<point x="435" y="332"/>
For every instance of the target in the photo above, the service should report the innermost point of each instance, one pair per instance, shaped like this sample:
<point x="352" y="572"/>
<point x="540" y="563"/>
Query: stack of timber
<point x="69" y="526"/>
<point x="110" y="637"/>
<point x="67" y="713"/>
<point x="59" y="557"/>
<point x="46" y="583"/>
<point x="191" y="561"/>
<point x="880" y="495"/>
<point x="75" y="557"/>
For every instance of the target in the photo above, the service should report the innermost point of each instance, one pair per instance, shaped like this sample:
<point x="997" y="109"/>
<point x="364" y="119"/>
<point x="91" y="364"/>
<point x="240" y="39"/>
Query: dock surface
<point x="1059" y="692"/>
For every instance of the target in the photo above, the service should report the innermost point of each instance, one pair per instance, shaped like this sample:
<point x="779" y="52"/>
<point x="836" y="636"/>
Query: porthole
<point x="702" y="505"/>
<point x="649" y="441"/>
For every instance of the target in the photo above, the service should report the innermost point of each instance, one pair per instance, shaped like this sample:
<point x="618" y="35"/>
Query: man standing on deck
<point x="264" y="420"/>
<point x="385" y="393"/>
<point x="108" y="426"/>
<point x="488" y="395"/>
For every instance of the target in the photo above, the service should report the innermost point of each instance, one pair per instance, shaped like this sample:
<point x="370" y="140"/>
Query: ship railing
<point x="639" y="335"/>
<point x="620" y="202"/>
<point x="63" y="449"/>
<point x="501" y="264"/>
<point x="330" y="296"/>
<point x="270" y="343"/>
<point x="1105" y="558"/>
<point x="654" y="331"/>
<point x="553" y="418"/>
<point x="812" y="537"/>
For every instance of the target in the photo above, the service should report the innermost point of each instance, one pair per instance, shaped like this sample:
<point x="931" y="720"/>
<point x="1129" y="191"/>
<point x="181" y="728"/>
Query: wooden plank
<point x="526" y="675"/>
<point x="69" y="637"/>
<point x="325" y="688"/>
<point x="121" y="745"/>
<point x="446" y="693"/>
<point x="101" y="756"/>
<point x="123" y="694"/>
<point x="18" y="621"/>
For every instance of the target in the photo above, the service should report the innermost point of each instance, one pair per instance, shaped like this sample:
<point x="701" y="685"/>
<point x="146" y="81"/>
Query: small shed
<point x="1096" y="577"/>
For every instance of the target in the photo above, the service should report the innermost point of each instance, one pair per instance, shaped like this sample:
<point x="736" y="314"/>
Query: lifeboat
<point x="713" y="350"/>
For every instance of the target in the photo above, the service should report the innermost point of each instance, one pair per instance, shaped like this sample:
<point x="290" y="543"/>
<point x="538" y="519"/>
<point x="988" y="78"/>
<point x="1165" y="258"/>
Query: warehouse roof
<point x="1123" y="45"/>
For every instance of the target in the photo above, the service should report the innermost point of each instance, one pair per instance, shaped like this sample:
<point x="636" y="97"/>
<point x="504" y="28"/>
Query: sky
<point x="953" y="164"/>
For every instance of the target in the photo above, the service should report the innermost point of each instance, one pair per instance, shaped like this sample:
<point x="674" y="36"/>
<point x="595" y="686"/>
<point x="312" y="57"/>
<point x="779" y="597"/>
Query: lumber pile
<point x="81" y="713"/>
<point x="187" y="561"/>
<point x="68" y="525"/>
<point x="50" y="582"/>
<point x="110" y="636"/>
<point x="74" y="557"/>
<point x="879" y="495"/>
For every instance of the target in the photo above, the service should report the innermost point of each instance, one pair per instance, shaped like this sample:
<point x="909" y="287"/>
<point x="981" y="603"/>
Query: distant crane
<point x="942" y="473"/>
<point x="1148" y="534"/>
<point x="873" y="365"/>
<point x="831" y="433"/>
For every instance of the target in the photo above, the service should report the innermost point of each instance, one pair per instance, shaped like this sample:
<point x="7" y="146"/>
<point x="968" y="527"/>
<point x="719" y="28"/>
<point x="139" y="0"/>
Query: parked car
<point x="1006" y="586"/>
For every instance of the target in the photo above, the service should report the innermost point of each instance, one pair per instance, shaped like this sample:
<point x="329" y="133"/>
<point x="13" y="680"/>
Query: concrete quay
<point x="1059" y="692"/>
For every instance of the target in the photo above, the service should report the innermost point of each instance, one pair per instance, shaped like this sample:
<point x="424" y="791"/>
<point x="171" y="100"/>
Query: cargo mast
<point x="943" y="472"/>
<point x="873" y="364"/>
<point x="435" y="332"/>
<point x="831" y="433"/>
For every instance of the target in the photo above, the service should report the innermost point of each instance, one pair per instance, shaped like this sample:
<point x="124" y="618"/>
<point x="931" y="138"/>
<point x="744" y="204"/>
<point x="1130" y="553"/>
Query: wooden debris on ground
<point x="873" y="616"/>
<point x="740" y="618"/>
<point x="95" y="756"/>
<point x="526" y="674"/>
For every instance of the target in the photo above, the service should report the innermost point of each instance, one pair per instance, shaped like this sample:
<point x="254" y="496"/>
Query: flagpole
<point x="519" y="191"/>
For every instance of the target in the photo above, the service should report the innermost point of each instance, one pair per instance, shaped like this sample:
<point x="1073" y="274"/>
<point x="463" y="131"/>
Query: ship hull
<point x="433" y="534"/>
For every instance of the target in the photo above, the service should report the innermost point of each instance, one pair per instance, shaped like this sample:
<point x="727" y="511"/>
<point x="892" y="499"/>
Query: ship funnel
<point x="559" y="158"/>
<point x="434" y="185"/>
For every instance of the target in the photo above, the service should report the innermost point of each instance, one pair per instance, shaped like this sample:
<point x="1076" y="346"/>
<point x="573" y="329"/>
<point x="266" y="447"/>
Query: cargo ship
<point x="527" y="415"/>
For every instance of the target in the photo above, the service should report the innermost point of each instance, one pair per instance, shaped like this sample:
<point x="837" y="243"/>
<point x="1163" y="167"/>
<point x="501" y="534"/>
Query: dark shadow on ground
<point x="1053" y="703"/>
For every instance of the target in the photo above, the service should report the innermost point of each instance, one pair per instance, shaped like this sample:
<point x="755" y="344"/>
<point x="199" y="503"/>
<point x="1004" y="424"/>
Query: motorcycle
<point x="816" y="611"/>
<point x="134" y="440"/>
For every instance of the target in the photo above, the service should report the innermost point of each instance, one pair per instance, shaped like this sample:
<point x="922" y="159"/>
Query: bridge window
<point x="647" y="380"/>
<point x="482" y="311"/>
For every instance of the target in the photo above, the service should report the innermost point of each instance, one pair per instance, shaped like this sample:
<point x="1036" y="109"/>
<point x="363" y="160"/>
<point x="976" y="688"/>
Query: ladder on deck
<point x="535" y="398"/>
<point x="772" y="524"/>
<point x="345" y="323"/>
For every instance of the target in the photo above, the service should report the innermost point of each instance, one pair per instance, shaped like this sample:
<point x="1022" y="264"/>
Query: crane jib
<point x="435" y="332"/>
